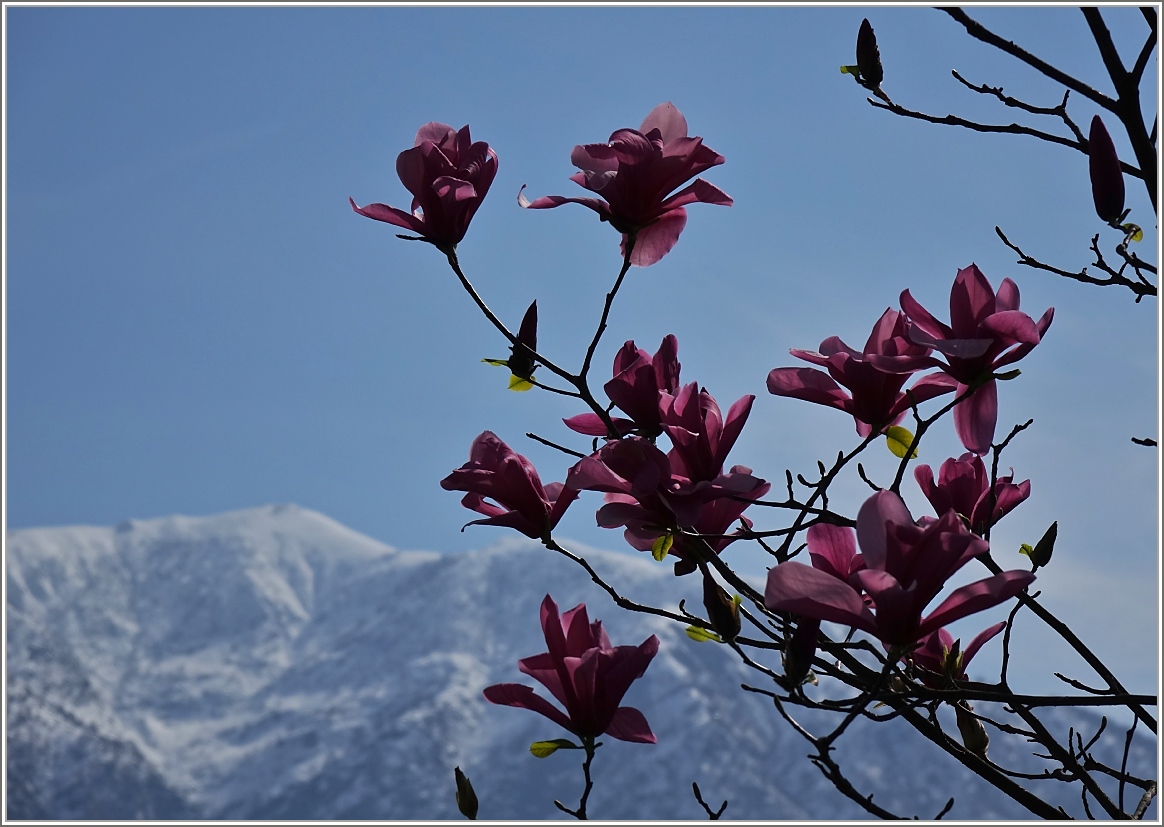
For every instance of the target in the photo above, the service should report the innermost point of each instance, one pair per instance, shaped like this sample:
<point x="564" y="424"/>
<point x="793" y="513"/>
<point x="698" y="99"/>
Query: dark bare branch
<point x="980" y="32"/>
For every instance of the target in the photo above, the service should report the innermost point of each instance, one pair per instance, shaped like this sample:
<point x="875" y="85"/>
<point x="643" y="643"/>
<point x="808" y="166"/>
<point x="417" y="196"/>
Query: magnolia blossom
<point x="875" y="398"/>
<point x="647" y="497"/>
<point x="942" y="658"/>
<point x="495" y="472"/>
<point x="448" y="175"/>
<point x="963" y="485"/>
<point x="587" y="676"/>
<point x="638" y="379"/>
<point x="986" y="332"/>
<point x="636" y="174"/>
<point x="701" y="435"/>
<point x="906" y="566"/>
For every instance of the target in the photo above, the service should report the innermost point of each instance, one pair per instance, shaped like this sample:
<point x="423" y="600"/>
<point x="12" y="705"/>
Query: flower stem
<point x="590" y="746"/>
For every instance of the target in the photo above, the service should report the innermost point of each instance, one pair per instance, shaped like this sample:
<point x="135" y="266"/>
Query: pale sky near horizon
<point x="197" y="322"/>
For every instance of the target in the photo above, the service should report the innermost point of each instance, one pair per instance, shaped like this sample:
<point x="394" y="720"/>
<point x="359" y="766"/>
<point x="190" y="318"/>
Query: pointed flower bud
<point x="466" y="797"/>
<point x="974" y="736"/>
<point x="800" y="651"/>
<point x="1107" y="178"/>
<point x="521" y="361"/>
<point x="723" y="611"/>
<point x="868" y="56"/>
<point x="1041" y="554"/>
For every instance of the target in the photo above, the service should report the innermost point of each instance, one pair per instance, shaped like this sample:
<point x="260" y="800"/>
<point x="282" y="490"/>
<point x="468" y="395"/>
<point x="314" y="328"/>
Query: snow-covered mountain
<point x="272" y="664"/>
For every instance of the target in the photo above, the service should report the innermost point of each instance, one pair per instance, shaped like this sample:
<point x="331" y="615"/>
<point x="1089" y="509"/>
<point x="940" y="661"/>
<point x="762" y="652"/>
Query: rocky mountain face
<point x="272" y="664"/>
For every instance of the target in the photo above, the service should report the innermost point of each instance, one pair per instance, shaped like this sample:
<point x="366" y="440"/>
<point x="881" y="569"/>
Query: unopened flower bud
<point x="868" y="56"/>
<point x="1041" y="553"/>
<point x="722" y="610"/>
<point x="1107" y="178"/>
<point x="974" y="736"/>
<point x="466" y="797"/>
<point x="799" y="651"/>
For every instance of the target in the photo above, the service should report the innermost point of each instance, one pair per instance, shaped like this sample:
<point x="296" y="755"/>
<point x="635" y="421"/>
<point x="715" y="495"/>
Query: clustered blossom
<point x="638" y="379"/>
<point x="658" y="495"/>
<point x="587" y="676"/>
<point x="905" y="566"/>
<point x="986" y="332"/>
<point x="875" y="398"/>
<point x="635" y="174"/>
<point x="496" y="472"/>
<point x="448" y="175"/>
<point x="963" y="485"/>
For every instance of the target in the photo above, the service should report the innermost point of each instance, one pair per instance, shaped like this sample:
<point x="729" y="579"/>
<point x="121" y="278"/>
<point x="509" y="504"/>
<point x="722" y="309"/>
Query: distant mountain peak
<point x="270" y="663"/>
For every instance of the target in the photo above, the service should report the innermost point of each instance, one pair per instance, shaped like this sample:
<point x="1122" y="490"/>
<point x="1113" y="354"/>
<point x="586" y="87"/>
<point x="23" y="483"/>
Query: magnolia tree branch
<point x="980" y="32"/>
<point x="1127" y="87"/>
<point x="1139" y="286"/>
<point x="712" y="815"/>
<point x="882" y="668"/>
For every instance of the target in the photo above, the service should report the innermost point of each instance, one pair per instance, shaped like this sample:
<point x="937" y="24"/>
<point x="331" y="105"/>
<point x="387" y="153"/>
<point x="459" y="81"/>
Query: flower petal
<point x="515" y="694"/>
<point x="628" y="724"/>
<point x="668" y="120"/>
<point x="976" y="597"/>
<point x="655" y="241"/>
<point x="803" y="590"/>
<point x="976" y="417"/>
<point x="873" y="519"/>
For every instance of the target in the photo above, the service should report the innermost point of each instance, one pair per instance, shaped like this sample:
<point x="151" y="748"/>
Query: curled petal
<point x="976" y="597"/>
<point x="390" y="215"/>
<point x="515" y="694"/>
<point x="807" y="384"/>
<point x="980" y="639"/>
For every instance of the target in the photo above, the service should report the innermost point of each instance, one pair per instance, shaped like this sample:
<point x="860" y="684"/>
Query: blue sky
<point x="197" y="322"/>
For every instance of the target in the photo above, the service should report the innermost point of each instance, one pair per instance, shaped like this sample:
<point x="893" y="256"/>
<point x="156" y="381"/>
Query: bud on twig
<point x="723" y="611"/>
<point x="466" y="797"/>
<point x="1041" y="554"/>
<point x="974" y="736"/>
<point x="868" y="56"/>
<point x="799" y="652"/>
<point x="1107" y="178"/>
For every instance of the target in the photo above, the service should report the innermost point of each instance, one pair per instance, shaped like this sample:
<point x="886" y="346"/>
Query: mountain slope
<point x="272" y="664"/>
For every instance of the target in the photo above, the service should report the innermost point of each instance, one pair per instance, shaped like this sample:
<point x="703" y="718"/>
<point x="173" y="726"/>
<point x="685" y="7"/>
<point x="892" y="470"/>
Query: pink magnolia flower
<point x="701" y="435"/>
<point x="587" y="675"/>
<point x="448" y="175"/>
<point x="963" y="485"/>
<point x="494" y="471"/>
<point x="986" y="332"/>
<point x="644" y="495"/>
<point x="875" y="399"/>
<point x="906" y="566"/>
<point x="636" y="174"/>
<point x="942" y="658"/>
<point x="638" y="379"/>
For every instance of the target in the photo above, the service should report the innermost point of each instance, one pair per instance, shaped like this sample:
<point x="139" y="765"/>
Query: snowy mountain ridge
<point x="273" y="664"/>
